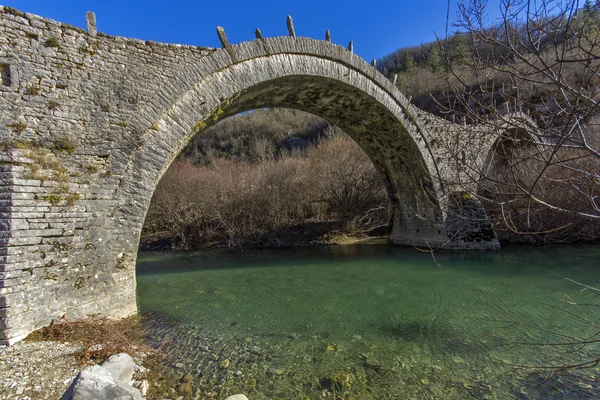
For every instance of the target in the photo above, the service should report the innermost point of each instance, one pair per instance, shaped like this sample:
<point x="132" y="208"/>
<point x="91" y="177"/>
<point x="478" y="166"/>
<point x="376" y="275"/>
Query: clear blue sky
<point x="377" y="27"/>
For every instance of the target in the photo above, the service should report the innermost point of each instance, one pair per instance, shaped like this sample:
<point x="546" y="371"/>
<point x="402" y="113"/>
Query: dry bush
<point x="344" y="179"/>
<point x="99" y="338"/>
<point x="237" y="203"/>
<point x="518" y="219"/>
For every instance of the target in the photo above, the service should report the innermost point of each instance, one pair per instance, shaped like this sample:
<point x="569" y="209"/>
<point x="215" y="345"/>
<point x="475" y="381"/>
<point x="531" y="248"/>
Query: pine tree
<point x="408" y="64"/>
<point x="435" y="59"/>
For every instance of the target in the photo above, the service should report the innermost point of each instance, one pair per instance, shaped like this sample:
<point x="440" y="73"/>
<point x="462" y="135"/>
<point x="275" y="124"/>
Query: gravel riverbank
<point x="36" y="370"/>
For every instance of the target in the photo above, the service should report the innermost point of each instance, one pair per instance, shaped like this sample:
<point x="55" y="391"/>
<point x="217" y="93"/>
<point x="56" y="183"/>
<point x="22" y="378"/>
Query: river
<point x="374" y="321"/>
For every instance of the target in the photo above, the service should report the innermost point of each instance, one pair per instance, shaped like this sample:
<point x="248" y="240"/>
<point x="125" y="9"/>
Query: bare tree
<point x="533" y="81"/>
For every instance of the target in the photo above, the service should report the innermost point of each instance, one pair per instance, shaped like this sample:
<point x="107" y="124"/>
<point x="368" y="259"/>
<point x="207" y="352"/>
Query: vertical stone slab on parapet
<point x="225" y="43"/>
<point x="290" y="26"/>
<point x="90" y="19"/>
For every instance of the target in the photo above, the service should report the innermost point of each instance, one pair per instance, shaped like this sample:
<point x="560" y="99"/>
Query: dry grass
<point x="97" y="337"/>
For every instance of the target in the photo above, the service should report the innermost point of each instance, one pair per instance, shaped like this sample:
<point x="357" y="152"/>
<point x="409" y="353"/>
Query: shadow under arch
<point x="500" y="141"/>
<point x="517" y="131"/>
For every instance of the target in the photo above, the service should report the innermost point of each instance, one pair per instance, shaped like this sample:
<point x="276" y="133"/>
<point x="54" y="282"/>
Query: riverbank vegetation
<point x="259" y="186"/>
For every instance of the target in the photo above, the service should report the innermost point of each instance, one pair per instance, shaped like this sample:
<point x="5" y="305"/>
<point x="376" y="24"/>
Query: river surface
<point x="374" y="321"/>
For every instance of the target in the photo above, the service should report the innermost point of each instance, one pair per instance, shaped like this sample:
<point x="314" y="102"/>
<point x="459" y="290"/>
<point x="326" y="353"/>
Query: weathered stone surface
<point x="89" y="125"/>
<point x="97" y="383"/>
<point x="90" y="18"/>
<point x="121" y="367"/>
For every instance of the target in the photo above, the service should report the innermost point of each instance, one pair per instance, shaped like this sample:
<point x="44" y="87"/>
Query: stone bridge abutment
<point x="90" y="123"/>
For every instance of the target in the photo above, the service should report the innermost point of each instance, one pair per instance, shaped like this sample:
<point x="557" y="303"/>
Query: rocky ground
<point x="36" y="370"/>
<point x="44" y="370"/>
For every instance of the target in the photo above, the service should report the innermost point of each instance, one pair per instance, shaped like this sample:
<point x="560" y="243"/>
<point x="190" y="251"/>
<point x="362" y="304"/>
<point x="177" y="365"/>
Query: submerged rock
<point x="274" y="371"/>
<point x="185" y="389"/>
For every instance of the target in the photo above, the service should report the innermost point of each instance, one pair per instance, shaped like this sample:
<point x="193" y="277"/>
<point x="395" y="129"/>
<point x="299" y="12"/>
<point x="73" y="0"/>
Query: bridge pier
<point x="464" y="226"/>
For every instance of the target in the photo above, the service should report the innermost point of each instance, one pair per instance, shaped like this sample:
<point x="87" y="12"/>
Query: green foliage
<point x="241" y="137"/>
<point x="52" y="198"/>
<point x="408" y="64"/>
<point x="587" y="22"/>
<point x="51" y="42"/>
<point x="458" y="49"/>
<point x="435" y="61"/>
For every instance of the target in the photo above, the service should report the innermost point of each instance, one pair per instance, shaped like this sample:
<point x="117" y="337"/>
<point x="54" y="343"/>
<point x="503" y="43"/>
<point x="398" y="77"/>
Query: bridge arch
<point x="514" y="131"/>
<point x="376" y="116"/>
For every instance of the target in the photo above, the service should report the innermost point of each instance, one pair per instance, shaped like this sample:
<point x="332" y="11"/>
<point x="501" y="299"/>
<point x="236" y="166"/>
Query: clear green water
<point x="373" y="321"/>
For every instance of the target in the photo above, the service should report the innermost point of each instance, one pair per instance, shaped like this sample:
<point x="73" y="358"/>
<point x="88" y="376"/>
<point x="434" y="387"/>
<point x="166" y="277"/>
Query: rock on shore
<point x="109" y="380"/>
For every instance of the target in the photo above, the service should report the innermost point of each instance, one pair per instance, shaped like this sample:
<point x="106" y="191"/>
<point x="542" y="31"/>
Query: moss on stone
<point x="468" y="196"/>
<point x="52" y="198"/>
<point x="18" y="127"/>
<point x="51" y="42"/>
<point x="199" y="126"/>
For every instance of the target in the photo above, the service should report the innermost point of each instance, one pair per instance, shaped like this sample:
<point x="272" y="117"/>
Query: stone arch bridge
<point x="90" y="123"/>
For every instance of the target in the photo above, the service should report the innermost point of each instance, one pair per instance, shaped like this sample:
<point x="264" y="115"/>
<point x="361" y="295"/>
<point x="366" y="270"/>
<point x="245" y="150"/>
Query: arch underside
<point x="417" y="216"/>
<point x="379" y="133"/>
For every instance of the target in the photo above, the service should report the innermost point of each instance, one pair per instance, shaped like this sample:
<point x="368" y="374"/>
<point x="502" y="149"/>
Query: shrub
<point x="239" y="202"/>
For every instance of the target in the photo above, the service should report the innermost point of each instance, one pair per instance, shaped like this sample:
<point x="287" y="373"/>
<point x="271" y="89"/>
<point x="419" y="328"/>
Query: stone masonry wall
<point x="66" y="99"/>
